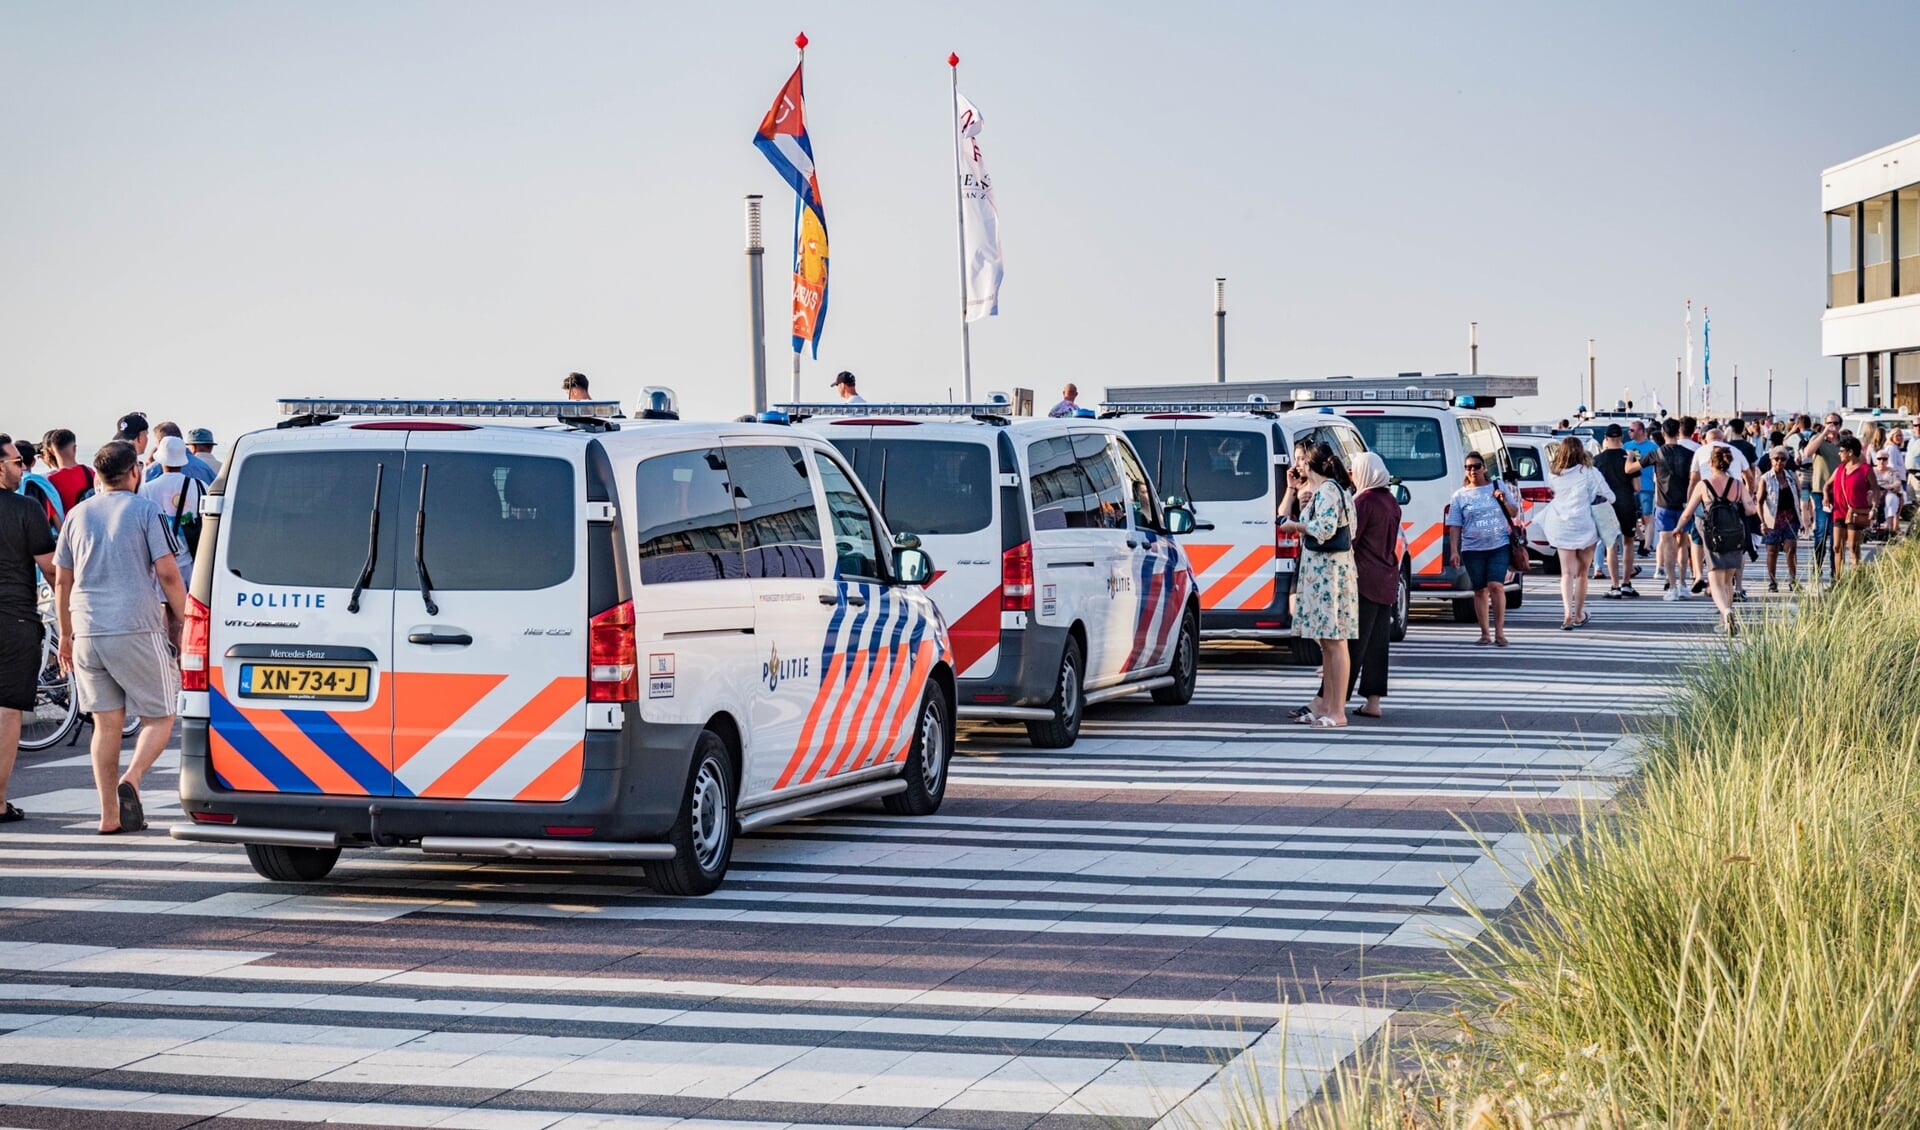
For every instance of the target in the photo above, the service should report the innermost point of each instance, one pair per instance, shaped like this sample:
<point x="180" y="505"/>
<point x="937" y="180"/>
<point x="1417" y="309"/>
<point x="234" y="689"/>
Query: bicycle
<point x="55" y="716"/>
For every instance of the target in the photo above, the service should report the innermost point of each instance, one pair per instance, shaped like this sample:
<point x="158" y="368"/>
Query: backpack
<point x="1726" y="526"/>
<point x="187" y="526"/>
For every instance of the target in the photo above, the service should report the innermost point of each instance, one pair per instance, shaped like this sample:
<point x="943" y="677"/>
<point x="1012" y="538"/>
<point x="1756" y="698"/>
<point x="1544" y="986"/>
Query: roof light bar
<point x="1348" y="396"/>
<point x="1254" y="406"/>
<point x="464" y="409"/>
<point x="939" y="409"/>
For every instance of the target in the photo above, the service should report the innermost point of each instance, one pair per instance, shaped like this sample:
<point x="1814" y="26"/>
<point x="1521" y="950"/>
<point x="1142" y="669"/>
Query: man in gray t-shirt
<point x="113" y="549"/>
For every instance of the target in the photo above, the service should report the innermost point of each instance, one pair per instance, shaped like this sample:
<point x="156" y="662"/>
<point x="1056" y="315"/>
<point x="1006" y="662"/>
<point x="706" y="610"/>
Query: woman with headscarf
<point x="1376" y="557"/>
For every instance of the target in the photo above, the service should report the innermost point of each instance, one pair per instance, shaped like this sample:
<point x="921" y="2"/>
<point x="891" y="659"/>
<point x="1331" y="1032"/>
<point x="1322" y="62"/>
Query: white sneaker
<point x="1671" y="595"/>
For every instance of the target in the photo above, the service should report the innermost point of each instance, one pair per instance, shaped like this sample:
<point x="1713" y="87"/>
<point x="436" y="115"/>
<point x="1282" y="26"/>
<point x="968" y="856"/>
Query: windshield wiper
<point x="373" y="542"/>
<point x="420" y="547"/>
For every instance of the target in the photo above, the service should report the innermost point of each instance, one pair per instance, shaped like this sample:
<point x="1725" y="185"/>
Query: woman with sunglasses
<point x="1479" y="540"/>
<point x="1780" y="518"/>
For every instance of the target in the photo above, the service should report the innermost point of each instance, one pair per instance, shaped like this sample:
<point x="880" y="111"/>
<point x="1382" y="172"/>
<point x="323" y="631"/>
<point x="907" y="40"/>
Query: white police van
<point x="1229" y="464"/>
<point x="1423" y="435"/>
<point x="1061" y="574"/>
<point x="592" y="638"/>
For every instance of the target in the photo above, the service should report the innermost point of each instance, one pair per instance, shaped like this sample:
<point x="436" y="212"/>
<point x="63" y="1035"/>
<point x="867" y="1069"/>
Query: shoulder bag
<point x="1519" y="560"/>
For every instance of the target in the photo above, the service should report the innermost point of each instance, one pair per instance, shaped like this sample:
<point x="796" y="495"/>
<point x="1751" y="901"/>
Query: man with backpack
<point x="178" y="495"/>
<point x="1672" y="485"/>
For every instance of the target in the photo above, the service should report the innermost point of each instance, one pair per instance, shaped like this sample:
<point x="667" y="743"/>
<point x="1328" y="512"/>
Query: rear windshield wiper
<point x="420" y="547"/>
<point x="373" y="542"/>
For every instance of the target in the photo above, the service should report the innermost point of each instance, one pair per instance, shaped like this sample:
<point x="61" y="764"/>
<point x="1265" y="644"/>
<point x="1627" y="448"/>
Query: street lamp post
<point x="1220" y="330"/>
<point x="757" y="303"/>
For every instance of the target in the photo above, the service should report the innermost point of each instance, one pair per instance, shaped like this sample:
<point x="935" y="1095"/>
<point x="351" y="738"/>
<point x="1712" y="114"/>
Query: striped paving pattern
<point x="1118" y="934"/>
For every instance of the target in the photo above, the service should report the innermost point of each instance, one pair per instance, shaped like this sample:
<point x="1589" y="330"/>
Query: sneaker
<point x="1671" y="595"/>
<point x="1774" y="586"/>
<point x="1636" y="571"/>
<point x="1613" y="593"/>
<point x="1629" y="590"/>
<point x="1699" y="587"/>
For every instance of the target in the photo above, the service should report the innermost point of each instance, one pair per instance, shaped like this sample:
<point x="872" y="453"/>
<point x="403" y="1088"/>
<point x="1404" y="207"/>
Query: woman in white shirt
<point x="1569" y="524"/>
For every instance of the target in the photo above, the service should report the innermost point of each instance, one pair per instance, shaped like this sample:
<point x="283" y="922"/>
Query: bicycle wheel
<point x="54" y="713"/>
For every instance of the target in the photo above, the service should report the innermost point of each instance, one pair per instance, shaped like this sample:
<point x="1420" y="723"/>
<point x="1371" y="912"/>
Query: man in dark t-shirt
<point x="1672" y="483"/>
<point x="1615" y="464"/>
<point x="26" y="541"/>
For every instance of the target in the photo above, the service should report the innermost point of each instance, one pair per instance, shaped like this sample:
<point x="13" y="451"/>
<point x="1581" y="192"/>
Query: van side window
<point x="1146" y="511"/>
<point x="778" y="519"/>
<point x="1411" y="446"/>
<point x="1107" y="503"/>
<point x="1056" y="486"/>
<point x="856" y="537"/>
<point x="299" y="518"/>
<point x="687" y="527"/>
<point x="494" y="522"/>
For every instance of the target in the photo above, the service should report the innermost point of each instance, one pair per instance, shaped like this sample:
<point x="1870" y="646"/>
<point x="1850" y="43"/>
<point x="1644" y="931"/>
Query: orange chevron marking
<point x="1203" y="556"/>
<point x="554" y="701"/>
<point x="560" y="780"/>
<point x="1261" y="598"/>
<point x="1220" y="590"/>
<point x="426" y="704"/>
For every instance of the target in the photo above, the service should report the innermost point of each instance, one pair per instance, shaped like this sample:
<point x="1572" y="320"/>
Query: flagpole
<point x="960" y="222"/>
<point x="800" y="47"/>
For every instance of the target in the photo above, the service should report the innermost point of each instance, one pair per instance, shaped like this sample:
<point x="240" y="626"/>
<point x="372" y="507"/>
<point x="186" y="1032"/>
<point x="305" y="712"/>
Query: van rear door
<point x="300" y="687"/>
<point x="490" y="616"/>
<point x="1227" y="475"/>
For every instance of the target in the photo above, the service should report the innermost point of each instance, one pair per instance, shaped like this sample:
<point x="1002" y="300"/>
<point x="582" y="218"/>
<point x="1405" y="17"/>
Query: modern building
<point x="1872" y="323"/>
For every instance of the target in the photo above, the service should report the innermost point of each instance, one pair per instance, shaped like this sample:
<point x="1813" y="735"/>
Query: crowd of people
<point x="114" y="537"/>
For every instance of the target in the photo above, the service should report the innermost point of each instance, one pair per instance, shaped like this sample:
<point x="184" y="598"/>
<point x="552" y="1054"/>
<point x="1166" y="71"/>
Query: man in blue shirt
<point x="197" y="469"/>
<point x="1069" y="402"/>
<point x="1640" y="442"/>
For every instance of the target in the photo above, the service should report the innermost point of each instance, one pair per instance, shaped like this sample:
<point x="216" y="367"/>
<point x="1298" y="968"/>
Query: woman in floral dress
<point x="1326" y="604"/>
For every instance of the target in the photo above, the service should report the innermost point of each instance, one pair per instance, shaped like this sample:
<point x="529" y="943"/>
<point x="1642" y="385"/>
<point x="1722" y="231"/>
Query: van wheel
<point x="1069" y="703"/>
<point x="1463" y="612"/>
<point x="1306" y="652"/>
<point x="292" y="864"/>
<point x="1402" y="605"/>
<point x="702" y="835"/>
<point x="1186" y="664"/>
<point x="926" y="769"/>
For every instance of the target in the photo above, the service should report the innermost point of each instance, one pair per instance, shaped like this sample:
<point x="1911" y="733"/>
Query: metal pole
<point x="1473" y="347"/>
<point x="1593" y="389"/>
<point x="1677" y="370"/>
<point x="960" y="222"/>
<point x="1769" y="392"/>
<point x="1736" y="389"/>
<point x="1220" y="330"/>
<point x="757" y="302"/>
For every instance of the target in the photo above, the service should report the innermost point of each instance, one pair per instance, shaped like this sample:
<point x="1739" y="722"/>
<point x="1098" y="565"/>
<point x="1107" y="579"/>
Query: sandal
<point x="9" y="814"/>
<point x="1500" y="642"/>
<point x="1328" y="724"/>
<point x="133" y="817"/>
<point x="1482" y="642"/>
<point x="111" y="831"/>
<point x="1300" y="712"/>
<point x="1368" y="713"/>
<point x="1582" y="621"/>
<point x="1306" y="719"/>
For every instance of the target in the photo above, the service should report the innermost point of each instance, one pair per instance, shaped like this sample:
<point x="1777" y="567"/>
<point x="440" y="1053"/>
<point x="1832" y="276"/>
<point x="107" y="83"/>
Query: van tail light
<point x="613" y="656"/>
<point x="195" y="644"/>
<point x="1016" y="578"/>
<point x="1286" y="546"/>
<point x="1536" y="494"/>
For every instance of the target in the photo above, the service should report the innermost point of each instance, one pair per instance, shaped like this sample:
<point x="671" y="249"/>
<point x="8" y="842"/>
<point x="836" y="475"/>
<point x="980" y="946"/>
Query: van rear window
<point x="494" y="522"/>
<point x="1411" y="446"/>
<point x="1205" y="464"/>
<point x="299" y="518"/>
<point x="926" y="486"/>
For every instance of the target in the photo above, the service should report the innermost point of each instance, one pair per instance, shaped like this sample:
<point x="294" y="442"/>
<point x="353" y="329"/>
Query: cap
<point x="130" y="425"/>
<point x="843" y="378"/>
<point x="173" y="452"/>
<point x="201" y="435"/>
<point x="1614" y="432"/>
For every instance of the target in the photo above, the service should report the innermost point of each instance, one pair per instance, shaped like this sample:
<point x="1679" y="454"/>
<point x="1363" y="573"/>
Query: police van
<point x="1423" y="435"/>
<point x="1062" y="575"/>
<point x="414" y="623"/>
<point x="1229" y="463"/>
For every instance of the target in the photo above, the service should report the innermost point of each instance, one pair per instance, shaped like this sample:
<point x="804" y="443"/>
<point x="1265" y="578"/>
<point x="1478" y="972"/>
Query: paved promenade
<point x="1080" y="940"/>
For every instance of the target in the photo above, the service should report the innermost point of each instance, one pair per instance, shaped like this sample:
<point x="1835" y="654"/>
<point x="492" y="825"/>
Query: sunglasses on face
<point x="1472" y="467"/>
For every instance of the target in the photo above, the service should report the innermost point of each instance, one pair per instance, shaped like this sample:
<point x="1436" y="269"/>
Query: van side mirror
<point x="911" y="563"/>
<point x="1179" y="520"/>
<point x="1401" y="494"/>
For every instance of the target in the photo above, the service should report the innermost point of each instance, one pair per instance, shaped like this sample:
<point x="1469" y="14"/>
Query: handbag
<point x="1340" y="542"/>
<point x="1518" y="559"/>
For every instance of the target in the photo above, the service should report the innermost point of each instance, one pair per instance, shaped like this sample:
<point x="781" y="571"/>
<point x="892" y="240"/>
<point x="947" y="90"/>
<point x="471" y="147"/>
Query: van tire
<point x="929" y="760"/>
<point x="702" y="834"/>
<point x="1069" y="702"/>
<point x="1186" y="664"/>
<point x="292" y="864"/>
<point x="1306" y="652"/>
<point x="1402" y="607"/>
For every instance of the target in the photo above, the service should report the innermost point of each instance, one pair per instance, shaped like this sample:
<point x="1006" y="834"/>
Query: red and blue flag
<point x="783" y="138"/>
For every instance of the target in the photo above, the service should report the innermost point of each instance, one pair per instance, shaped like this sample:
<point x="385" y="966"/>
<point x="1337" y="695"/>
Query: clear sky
<point x="204" y="206"/>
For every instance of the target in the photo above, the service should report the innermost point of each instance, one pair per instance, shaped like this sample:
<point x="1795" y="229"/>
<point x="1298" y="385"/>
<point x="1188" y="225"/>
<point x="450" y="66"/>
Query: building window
<point x="1843" y="281"/>
<point x="1876" y="247"/>
<point x="1906" y="227"/>
<point x="1906" y="378"/>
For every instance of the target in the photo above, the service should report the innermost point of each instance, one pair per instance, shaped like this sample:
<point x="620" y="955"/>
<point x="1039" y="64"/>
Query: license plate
<point x="300" y="681"/>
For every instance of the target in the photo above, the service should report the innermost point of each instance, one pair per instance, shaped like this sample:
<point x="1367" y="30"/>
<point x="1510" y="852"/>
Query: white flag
<point x="979" y="218"/>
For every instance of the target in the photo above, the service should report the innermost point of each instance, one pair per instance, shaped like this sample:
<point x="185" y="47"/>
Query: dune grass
<point x="1736" y="942"/>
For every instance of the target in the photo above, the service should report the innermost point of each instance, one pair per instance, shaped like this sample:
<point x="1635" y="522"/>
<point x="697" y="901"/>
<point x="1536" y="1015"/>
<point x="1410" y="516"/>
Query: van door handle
<point x="853" y="598"/>
<point x="1069" y="564"/>
<point x="1132" y="544"/>
<point x="448" y="639"/>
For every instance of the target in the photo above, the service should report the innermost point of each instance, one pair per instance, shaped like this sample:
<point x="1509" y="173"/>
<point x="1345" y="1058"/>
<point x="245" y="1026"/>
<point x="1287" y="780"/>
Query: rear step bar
<point x="507" y="848"/>
<point x="1042" y="714"/>
<point x="1125" y="689"/>
<point x="273" y="837"/>
<point x="819" y="802"/>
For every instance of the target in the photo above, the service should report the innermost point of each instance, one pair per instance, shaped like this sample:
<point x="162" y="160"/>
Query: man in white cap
<point x="177" y="493"/>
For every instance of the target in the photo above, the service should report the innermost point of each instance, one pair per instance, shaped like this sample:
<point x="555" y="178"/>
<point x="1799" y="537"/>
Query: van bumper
<point x="1448" y="584"/>
<point x="630" y="790"/>
<point x="1022" y="681"/>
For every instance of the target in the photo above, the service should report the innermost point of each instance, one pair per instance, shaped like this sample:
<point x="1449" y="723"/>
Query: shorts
<point x="20" y="663"/>
<point x="1646" y="503"/>
<point x="1668" y="521"/>
<point x="131" y="672"/>
<point x="1486" y="566"/>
